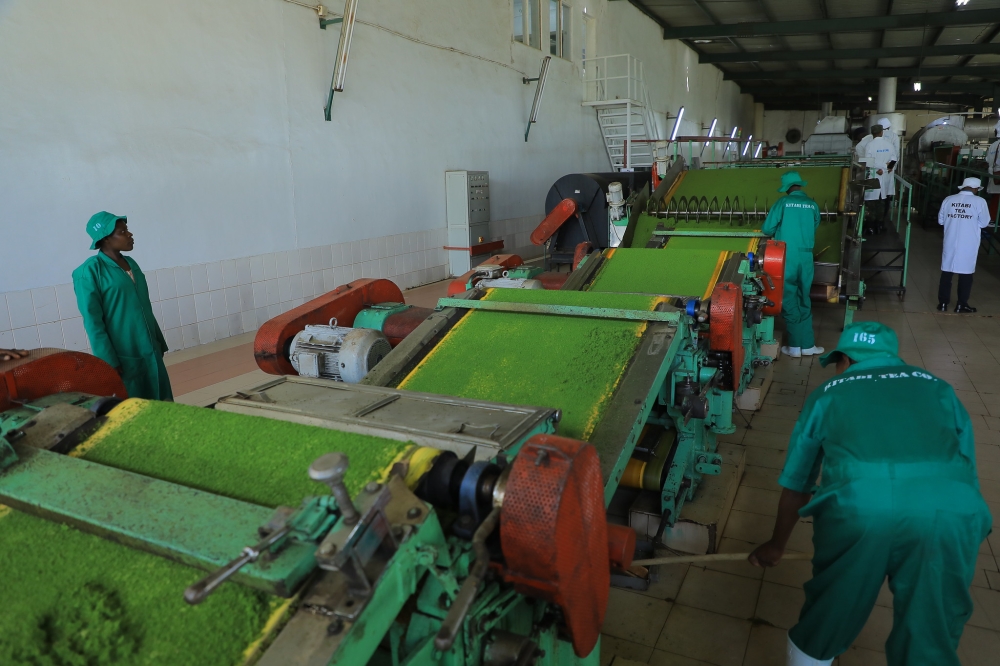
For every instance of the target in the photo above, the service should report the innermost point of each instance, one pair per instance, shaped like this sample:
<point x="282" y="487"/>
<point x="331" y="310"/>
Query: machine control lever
<point x="330" y="469"/>
<point x="199" y="591"/>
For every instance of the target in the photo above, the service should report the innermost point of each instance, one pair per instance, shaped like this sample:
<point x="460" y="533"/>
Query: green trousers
<point x="919" y="525"/>
<point x="796" y="309"/>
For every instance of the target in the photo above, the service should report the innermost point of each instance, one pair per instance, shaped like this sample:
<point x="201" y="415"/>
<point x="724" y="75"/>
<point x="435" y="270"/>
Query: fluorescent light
<point x="749" y="141"/>
<point x="677" y="124"/>
<point x="702" y="41"/>
<point x="756" y="153"/>
<point x="711" y="131"/>
<point x="344" y="48"/>
<point x="916" y="86"/>
<point x="961" y="3"/>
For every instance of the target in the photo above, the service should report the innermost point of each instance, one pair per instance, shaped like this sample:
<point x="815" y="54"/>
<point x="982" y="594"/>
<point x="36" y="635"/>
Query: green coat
<point x="899" y="500"/>
<point x="120" y="325"/>
<point x="793" y="220"/>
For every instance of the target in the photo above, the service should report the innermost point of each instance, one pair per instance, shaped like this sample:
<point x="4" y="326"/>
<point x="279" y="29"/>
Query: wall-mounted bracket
<point x="325" y="22"/>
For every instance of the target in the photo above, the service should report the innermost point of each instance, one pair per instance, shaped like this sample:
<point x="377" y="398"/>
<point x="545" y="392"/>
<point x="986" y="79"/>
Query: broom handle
<point x="716" y="557"/>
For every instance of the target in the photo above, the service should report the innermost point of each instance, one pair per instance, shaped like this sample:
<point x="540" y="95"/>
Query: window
<point x="559" y="24"/>
<point x="528" y="22"/>
<point x="588" y="38"/>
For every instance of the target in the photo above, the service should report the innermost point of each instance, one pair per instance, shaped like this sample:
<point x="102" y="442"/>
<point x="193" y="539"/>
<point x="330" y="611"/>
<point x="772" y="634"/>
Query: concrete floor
<point x="735" y="614"/>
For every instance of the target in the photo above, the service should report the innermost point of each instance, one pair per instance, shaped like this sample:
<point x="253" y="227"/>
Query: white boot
<point x="812" y="351"/>
<point x="794" y="352"/>
<point x="797" y="657"/>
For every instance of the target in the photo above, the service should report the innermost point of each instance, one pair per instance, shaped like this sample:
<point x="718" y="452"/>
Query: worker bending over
<point x="899" y="499"/>
<point x="793" y="219"/>
<point x="963" y="216"/>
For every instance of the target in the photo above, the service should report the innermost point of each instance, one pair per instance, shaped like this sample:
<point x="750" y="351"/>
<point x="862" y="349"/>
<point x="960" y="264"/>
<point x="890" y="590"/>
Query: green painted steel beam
<point x="561" y="310"/>
<point x="710" y="234"/>
<point x="852" y="54"/>
<point x="990" y="71"/>
<point x="196" y="528"/>
<point x="853" y="24"/>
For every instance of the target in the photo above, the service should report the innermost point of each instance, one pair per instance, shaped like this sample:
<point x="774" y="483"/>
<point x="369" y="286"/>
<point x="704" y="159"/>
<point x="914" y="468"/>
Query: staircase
<point x="614" y="86"/>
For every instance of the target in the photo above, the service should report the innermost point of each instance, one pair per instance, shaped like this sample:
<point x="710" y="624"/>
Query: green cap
<point x="789" y="179"/>
<point x="862" y="341"/>
<point x="102" y="225"/>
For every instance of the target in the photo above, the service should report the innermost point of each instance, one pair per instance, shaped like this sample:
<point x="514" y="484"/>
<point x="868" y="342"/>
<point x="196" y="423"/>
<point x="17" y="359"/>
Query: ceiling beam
<point x="985" y="89"/>
<point x="852" y="54"/>
<point x="870" y="73"/>
<point x="856" y="24"/>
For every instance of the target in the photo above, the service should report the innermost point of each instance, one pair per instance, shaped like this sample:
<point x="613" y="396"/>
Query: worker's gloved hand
<point x="11" y="354"/>
<point x="766" y="555"/>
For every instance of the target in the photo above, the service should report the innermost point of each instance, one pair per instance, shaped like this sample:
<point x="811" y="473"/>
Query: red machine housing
<point x="46" y="371"/>
<point x="725" y="330"/>
<point x="774" y="267"/>
<point x="557" y="217"/>
<point x="554" y="532"/>
<point x="270" y="347"/>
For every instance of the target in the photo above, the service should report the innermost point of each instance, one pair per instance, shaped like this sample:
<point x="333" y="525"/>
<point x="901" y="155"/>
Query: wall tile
<point x="281" y="264"/>
<point x="74" y="335"/>
<point x="259" y="294"/>
<point x="203" y="306"/>
<point x="317" y="283"/>
<point x="21" y="309"/>
<point x="337" y="254"/>
<point x="185" y="304"/>
<point x="51" y="335"/>
<point x="325" y="255"/>
<point x="221" y="328"/>
<point x="305" y="260"/>
<point x="260" y="315"/>
<point x="257" y="268"/>
<point x="219" y="308"/>
<point x="215" y="279"/>
<point x="233" y="305"/>
<point x="157" y="314"/>
<point x="4" y="316"/>
<point x="328" y="280"/>
<point x="294" y="265"/>
<point x="230" y="276"/>
<point x="243" y="275"/>
<point x="26" y="338"/>
<point x="364" y="252"/>
<point x="246" y="297"/>
<point x="271" y="289"/>
<point x="270" y="267"/>
<point x="199" y="279"/>
<point x="249" y="321"/>
<point x="182" y="278"/>
<point x="206" y="331"/>
<point x="189" y="334"/>
<point x="284" y="288"/>
<point x="273" y="310"/>
<point x="235" y="323"/>
<point x="171" y="314"/>
<point x="7" y="339"/>
<point x="296" y="286"/>
<point x="152" y="283"/>
<point x="175" y="340"/>
<point x="165" y="283"/>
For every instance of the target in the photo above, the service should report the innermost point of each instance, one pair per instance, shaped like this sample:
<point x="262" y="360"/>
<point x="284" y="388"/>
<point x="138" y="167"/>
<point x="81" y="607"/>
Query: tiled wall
<point x="207" y="302"/>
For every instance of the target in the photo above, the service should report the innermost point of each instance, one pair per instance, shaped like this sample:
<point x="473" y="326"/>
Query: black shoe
<point x="964" y="308"/>
<point x="942" y="307"/>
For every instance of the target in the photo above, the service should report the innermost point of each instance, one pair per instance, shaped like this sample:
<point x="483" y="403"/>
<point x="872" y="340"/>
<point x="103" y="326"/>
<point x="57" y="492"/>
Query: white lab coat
<point x="859" y="150"/>
<point x="993" y="165"/>
<point x="963" y="216"/>
<point x="893" y="138"/>
<point x="880" y="152"/>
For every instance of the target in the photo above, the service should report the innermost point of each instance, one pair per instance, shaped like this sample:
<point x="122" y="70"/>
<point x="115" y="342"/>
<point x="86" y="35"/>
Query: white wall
<point x="202" y="120"/>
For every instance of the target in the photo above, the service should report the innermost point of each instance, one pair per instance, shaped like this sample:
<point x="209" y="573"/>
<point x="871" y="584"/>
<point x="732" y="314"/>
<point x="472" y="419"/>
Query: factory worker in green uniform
<point x="793" y="219"/>
<point x="113" y="298"/>
<point x="899" y="499"/>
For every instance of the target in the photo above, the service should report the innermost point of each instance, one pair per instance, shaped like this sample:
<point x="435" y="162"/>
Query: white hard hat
<point x="974" y="183"/>
<point x="884" y="122"/>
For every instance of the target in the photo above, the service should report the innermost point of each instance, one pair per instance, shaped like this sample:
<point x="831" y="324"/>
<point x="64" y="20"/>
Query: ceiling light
<point x="677" y="124"/>
<point x="711" y="130"/>
<point x="749" y="140"/>
<point x="961" y="3"/>
<point x="756" y="153"/>
<point x="702" y="41"/>
<point x="916" y="86"/>
<point x="869" y="98"/>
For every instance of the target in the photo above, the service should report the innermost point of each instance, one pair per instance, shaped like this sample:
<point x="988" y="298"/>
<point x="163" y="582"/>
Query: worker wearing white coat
<point x="859" y="150"/>
<point x="963" y="217"/>
<point x="889" y="134"/>
<point x="881" y="156"/>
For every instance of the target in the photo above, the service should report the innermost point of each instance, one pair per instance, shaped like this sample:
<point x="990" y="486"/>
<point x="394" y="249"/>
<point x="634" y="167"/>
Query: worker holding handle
<point x="899" y="499"/>
<point x="113" y="298"/>
<point x="793" y="219"/>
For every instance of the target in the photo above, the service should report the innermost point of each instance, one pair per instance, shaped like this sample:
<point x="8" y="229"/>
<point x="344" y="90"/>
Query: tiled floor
<point x="734" y="614"/>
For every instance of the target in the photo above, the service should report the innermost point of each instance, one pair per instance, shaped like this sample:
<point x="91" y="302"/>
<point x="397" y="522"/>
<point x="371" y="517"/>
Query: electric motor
<point x="341" y="353"/>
